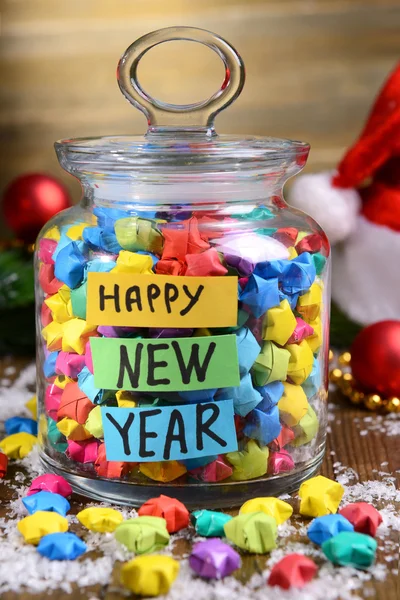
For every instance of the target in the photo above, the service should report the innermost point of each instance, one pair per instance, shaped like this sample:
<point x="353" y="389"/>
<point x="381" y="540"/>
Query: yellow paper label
<point x="129" y="300"/>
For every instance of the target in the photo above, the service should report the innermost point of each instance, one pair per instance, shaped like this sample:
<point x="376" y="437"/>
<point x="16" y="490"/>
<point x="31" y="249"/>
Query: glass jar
<point x="182" y="309"/>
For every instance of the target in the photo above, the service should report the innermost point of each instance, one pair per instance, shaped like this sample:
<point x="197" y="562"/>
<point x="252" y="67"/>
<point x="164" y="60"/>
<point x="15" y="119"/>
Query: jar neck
<point x="197" y="193"/>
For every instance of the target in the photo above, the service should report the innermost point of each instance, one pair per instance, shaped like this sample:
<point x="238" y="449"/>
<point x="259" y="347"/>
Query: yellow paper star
<point x="97" y="518"/>
<point x="73" y="430"/>
<point x="126" y="399"/>
<point x="162" y="471"/>
<point x="76" y="333"/>
<point x="131" y="262"/>
<point x="150" y="575"/>
<point x="60" y="305"/>
<point x="292" y="252"/>
<point x="62" y="380"/>
<point x="249" y="463"/>
<point x="75" y="232"/>
<point x="279" y="323"/>
<point x="94" y="423"/>
<point x="52" y="234"/>
<point x="278" y="509"/>
<point x="320" y="496"/>
<point x="309" y="304"/>
<point x="300" y="362"/>
<point x="52" y="334"/>
<point x="293" y="405"/>
<point x="41" y="523"/>
<point x="18" y="445"/>
<point x="31" y="405"/>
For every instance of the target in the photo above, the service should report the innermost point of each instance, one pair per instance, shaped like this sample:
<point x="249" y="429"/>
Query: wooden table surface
<point x="347" y="444"/>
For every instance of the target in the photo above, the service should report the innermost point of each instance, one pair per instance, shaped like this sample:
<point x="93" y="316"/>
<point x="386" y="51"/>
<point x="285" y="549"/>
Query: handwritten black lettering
<point x="193" y="362"/>
<point x="192" y="299"/>
<point x="203" y="428"/>
<point x="125" y="365"/>
<point x="123" y="431"/>
<point x="175" y="419"/>
<point x="144" y="435"/>
<point x="103" y="297"/>
<point x="153" y="364"/>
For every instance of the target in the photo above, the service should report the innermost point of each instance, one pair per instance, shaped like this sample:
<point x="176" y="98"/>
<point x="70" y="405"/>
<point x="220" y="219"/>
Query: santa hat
<point x="367" y="180"/>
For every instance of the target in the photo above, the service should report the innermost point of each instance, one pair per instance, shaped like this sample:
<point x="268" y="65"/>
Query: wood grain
<point x="365" y="454"/>
<point x="313" y="69"/>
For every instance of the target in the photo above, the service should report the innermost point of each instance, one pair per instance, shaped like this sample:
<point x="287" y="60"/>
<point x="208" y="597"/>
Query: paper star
<point x="279" y="323"/>
<point x="300" y="362"/>
<point x="271" y="364"/>
<point x="50" y="483"/>
<point x="150" y="575"/>
<point x="46" y="501"/>
<point x="100" y="519"/>
<point x="260" y="294"/>
<point x="323" y="528"/>
<point x="309" y="304"/>
<point x="278" y="509"/>
<point x="293" y="405"/>
<point x="209" y="523"/>
<point x="351" y="549"/>
<point x="320" y="496"/>
<point x="18" y="445"/>
<point x="248" y="463"/>
<point x="143" y="534"/>
<point x="263" y="426"/>
<point x="75" y="334"/>
<point x="34" y="527"/>
<point x="254" y="532"/>
<point x="174" y="512"/>
<point x="213" y="559"/>
<point x="19" y="425"/>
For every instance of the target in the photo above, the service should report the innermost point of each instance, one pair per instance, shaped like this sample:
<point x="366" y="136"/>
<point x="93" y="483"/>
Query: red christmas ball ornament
<point x="30" y="201"/>
<point x="375" y="358"/>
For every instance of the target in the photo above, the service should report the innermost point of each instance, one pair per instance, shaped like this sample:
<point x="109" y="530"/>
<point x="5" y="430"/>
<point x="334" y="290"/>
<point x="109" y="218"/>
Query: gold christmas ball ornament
<point x="373" y="402"/>
<point x="344" y="359"/>
<point x="357" y="397"/>
<point x="331" y="356"/>
<point x="335" y="375"/>
<point x="393" y="405"/>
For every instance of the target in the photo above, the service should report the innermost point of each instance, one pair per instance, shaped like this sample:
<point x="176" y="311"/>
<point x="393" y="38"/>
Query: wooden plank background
<point x="313" y="68"/>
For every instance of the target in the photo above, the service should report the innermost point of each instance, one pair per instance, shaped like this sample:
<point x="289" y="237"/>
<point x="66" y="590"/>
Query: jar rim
<point x="186" y="153"/>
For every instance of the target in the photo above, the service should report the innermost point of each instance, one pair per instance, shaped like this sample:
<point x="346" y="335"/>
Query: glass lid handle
<point x="162" y="116"/>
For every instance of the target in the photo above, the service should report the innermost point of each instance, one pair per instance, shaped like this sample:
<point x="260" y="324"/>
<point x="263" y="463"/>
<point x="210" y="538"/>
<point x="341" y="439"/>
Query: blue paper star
<point x="46" y="501"/>
<point x="20" y="425"/>
<point x="248" y="349"/>
<point x="326" y="527"/>
<point x="260" y="294"/>
<point x="86" y="384"/>
<point x="49" y="365"/>
<point x="95" y="237"/>
<point x="263" y="426"/>
<point x="70" y="265"/>
<point x="299" y="274"/>
<point x="61" y="546"/>
<point x="244" y="397"/>
<point x="271" y="394"/>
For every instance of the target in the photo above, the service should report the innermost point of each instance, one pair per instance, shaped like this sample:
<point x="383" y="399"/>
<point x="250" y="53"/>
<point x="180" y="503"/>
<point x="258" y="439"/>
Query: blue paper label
<point x="180" y="432"/>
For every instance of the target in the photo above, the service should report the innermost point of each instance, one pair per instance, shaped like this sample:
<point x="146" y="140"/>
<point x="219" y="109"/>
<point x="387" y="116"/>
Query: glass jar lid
<point x="181" y="151"/>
